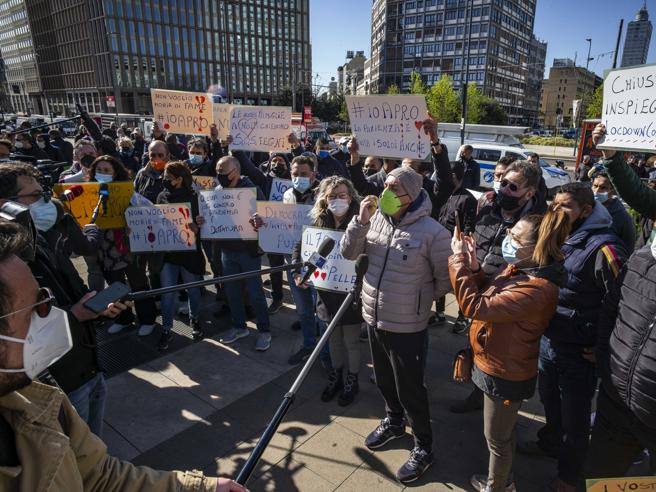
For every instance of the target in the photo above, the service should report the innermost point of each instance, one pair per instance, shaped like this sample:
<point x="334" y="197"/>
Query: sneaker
<point x="296" y="326"/>
<point x="196" y="330"/>
<point x="145" y="330"/>
<point x="479" y="482"/>
<point x="183" y="309"/>
<point x="335" y="383"/>
<point x="384" y="433"/>
<point x="164" y="340"/>
<point x="351" y="389"/>
<point x="263" y="341"/>
<point x="275" y="306"/>
<point x="300" y="356"/>
<point x="460" y="326"/>
<point x="116" y="328"/>
<point x="234" y="334"/>
<point x="472" y="403"/>
<point x="419" y="461"/>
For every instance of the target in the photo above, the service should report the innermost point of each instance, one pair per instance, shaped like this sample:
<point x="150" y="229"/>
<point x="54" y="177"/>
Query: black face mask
<point x="168" y="185"/>
<point x="370" y="171"/>
<point x="279" y="171"/>
<point x="224" y="180"/>
<point x="507" y="202"/>
<point x="87" y="160"/>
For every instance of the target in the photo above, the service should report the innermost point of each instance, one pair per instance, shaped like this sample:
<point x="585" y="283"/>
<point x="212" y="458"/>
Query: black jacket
<point x="216" y="151"/>
<point x="65" y="147"/>
<point x="464" y="204"/>
<point x="329" y="166"/>
<point x="207" y="168"/>
<point x="367" y="185"/>
<point x="343" y="157"/>
<point x="472" y="177"/>
<point x="263" y="180"/>
<point x="148" y="183"/>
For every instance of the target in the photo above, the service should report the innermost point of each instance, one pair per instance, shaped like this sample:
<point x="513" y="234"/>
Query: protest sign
<point x="338" y="274"/>
<point x="260" y="128"/>
<point x="82" y="206"/>
<point x="222" y="119"/>
<point x="629" y="109"/>
<point x="189" y="113"/>
<point x="278" y="188"/>
<point x="283" y="225"/>
<point x="161" y="228"/>
<point x="227" y="213"/>
<point x="204" y="183"/>
<point x="390" y="125"/>
<point x="620" y="484"/>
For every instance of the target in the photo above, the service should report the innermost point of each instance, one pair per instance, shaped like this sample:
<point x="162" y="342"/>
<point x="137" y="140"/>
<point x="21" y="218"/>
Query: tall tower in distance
<point x="638" y="36"/>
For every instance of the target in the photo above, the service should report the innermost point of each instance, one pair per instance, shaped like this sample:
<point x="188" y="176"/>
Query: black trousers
<point x="399" y="365"/>
<point x="276" y="260"/>
<point x="137" y="280"/>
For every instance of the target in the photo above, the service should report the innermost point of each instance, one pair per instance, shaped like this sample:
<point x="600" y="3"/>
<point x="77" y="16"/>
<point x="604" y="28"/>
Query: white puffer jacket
<point x="407" y="267"/>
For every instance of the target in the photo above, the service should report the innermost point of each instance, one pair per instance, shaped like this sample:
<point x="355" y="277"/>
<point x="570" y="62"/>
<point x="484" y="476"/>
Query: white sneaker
<point x="145" y="330"/>
<point x="183" y="309"/>
<point x="116" y="328"/>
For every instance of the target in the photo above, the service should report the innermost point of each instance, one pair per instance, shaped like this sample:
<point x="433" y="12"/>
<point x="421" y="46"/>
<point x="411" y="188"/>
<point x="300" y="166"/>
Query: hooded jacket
<point x="623" y="224"/>
<point x="407" y="266"/>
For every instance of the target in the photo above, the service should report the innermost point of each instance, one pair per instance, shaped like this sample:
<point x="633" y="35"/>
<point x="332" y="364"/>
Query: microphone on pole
<point x="361" y="267"/>
<point x="103" y="195"/>
<point x="71" y="194"/>
<point x="318" y="258"/>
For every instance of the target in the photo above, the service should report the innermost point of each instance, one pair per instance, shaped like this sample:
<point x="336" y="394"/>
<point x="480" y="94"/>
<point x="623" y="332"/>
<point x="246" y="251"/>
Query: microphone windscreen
<point x="326" y="247"/>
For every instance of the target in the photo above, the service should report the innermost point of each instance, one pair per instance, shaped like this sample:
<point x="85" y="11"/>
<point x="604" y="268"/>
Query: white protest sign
<point x="204" y="183"/>
<point x="629" y="109"/>
<point x="160" y="228"/>
<point x="222" y="119"/>
<point x="390" y="125"/>
<point x="189" y="113"/>
<point x="227" y="213"/>
<point x="283" y="225"/>
<point x="337" y="274"/>
<point x="278" y="188"/>
<point x="260" y="128"/>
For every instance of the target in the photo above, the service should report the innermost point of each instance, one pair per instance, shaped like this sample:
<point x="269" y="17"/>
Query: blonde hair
<point x="125" y="140"/>
<point x="548" y="233"/>
<point x="325" y="188"/>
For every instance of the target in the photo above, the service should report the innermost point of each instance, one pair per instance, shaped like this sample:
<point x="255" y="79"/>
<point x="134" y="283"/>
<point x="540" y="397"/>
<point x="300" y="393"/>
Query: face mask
<point x="48" y="340"/>
<point x="44" y="214"/>
<point x="196" y="160"/>
<point x="390" y="204"/>
<point x="301" y="184"/>
<point x="322" y="154"/>
<point x="224" y="180"/>
<point x="370" y="171"/>
<point x="496" y="186"/>
<point x="279" y="171"/>
<point x="509" y="251"/>
<point x="158" y="164"/>
<point x="41" y="145"/>
<point x="601" y="197"/>
<point x="507" y="202"/>
<point x="127" y="152"/>
<point x="87" y="160"/>
<point x="344" y="149"/>
<point x="18" y="144"/>
<point x="168" y="185"/>
<point x="104" y="178"/>
<point x="338" y="206"/>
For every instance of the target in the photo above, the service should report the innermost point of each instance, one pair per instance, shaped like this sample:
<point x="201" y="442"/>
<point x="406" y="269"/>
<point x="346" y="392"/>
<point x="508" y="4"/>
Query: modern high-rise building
<point x="537" y="57"/>
<point x="432" y="37"/>
<point x="108" y="54"/>
<point x="638" y="37"/>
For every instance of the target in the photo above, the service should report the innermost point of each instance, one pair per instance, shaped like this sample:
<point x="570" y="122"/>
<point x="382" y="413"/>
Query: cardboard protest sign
<point x="278" y="188"/>
<point x="337" y="274"/>
<point x="260" y="128"/>
<point x="189" y="113"/>
<point x="83" y="205"/>
<point x="629" y="109"/>
<point x="161" y="228"/>
<point x="222" y="119"/>
<point x="620" y="484"/>
<point x="283" y="225"/>
<point x="204" y="183"/>
<point x="390" y="125"/>
<point x="227" y="213"/>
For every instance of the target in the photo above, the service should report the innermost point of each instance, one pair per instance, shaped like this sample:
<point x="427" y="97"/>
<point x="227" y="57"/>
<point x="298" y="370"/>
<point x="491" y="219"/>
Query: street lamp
<point x="464" y="83"/>
<point x="587" y="63"/>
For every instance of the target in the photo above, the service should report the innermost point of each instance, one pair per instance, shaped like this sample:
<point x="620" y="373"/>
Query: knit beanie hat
<point x="410" y="180"/>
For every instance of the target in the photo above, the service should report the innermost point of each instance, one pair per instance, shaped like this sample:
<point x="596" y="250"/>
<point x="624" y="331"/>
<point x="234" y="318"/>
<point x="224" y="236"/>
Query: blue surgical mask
<point x="127" y="152"/>
<point x="322" y="154"/>
<point x="601" y="197"/>
<point x="104" y="178"/>
<point x="344" y="148"/>
<point x="496" y="186"/>
<point x="196" y="160"/>
<point x="509" y="250"/>
<point x="44" y="214"/>
<point x="301" y="184"/>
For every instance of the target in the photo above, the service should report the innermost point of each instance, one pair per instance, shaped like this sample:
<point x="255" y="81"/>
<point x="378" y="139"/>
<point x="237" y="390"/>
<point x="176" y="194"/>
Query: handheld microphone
<point x="103" y="194"/>
<point x="361" y="267"/>
<point x="71" y="194"/>
<point x="318" y="259"/>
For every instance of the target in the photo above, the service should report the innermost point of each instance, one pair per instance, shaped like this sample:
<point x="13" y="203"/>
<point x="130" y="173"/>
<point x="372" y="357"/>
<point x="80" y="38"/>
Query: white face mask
<point x="41" y="145"/>
<point x="48" y="340"/>
<point x="44" y="214"/>
<point x="18" y="144"/>
<point x="496" y="186"/>
<point x="338" y="206"/>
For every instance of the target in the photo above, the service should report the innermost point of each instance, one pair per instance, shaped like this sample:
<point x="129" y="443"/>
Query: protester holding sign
<point x="199" y="162"/>
<point x="148" y="181"/>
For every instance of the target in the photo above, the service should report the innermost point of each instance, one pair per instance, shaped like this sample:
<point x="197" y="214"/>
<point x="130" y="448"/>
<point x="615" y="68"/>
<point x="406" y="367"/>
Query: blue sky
<point x="340" y="25"/>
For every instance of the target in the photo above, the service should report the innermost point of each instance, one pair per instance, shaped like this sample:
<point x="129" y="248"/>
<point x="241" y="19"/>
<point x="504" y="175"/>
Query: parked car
<point x="570" y="133"/>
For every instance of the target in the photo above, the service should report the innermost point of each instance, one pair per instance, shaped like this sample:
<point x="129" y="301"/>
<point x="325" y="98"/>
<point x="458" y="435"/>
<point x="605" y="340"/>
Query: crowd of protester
<point x="553" y="296"/>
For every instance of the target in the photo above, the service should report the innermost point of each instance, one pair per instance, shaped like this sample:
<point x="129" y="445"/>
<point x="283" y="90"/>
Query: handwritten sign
<point x="283" y="225"/>
<point x="260" y="128"/>
<point x="204" y="183"/>
<point x="629" y="110"/>
<point x="222" y="119"/>
<point x="82" y="206"/>
<point x="389" y="126"/>
<point x="338" y="274"/>
<point x="620" y="484"/>
<point x="227" y="213"/>
<point x="189" y="113"/>
<point x="278" y="188"/>
<point x="160" y="228"/>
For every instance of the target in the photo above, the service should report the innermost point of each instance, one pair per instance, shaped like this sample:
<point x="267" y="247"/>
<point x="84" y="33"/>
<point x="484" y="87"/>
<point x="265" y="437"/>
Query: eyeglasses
<point x="509" y="184"/>
<point x="42" y="307"/>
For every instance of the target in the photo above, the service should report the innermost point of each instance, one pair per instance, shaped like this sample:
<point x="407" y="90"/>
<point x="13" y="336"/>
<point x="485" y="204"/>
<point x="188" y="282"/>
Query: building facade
<point x="566" y="83"/>
<point x="351" y="74"/>
<point x="432" y="38"/>
<point x="638" y="37"/>
<point x="108" y="54"/>
<point x="537" y="57"/>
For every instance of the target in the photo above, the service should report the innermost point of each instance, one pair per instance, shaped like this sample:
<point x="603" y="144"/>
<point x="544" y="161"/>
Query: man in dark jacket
<point x="341" y="153"/>
<point x="328" y="165"/>
<point x="623" y="225"/>
<point x="24" y="144"/>
<point x="472" y="179"/>
<point x="367" y="185"/>
<point x="581" y="173"/>
<point x="64" y="146"/>
<point x="148" y="181"/>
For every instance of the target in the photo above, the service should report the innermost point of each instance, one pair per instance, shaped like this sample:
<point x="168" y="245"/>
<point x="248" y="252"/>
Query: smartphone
<point x="99" y="302"/>
<point x="458" y="228"/>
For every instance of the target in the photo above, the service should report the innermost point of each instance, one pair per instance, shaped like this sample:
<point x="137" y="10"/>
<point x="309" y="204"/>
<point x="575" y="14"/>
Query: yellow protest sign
<point x="81" y="207"/>
<point x="626" y="484"/>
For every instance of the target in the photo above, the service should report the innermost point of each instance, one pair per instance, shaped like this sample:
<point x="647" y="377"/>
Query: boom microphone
<point x="318" y="259"/>
<point x="361" y="267"/>
<point x="71" y="194"/>
<point x="103" y="195"/>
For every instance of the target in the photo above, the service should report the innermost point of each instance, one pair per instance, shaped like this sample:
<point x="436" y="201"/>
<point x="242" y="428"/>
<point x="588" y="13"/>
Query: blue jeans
<point x="89" y="401"/>
<point x="169" y="277"/>
<point x="235" y="262"/>
<point x="566" y="383"/>
<point x="305" y="300"/>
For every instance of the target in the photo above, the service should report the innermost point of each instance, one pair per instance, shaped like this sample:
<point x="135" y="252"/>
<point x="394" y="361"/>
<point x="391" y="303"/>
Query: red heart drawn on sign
<point x="166" y="126"/>
<point x="316" y="273"/>
<point x="418" y="125"/>
<point x="323" y="275"/>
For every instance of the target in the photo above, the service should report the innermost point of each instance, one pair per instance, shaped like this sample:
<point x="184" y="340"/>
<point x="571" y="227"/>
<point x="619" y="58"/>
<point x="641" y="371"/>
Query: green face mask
<point x="390" y="203"/>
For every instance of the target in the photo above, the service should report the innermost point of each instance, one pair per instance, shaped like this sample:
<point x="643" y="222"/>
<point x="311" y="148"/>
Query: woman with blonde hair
<point x="335" y="205"/>
<point x="510" y="313"/>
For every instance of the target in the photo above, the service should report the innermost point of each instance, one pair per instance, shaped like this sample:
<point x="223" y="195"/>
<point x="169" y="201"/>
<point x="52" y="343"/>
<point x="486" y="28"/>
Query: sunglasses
<point x="509" y="184"/>
<point x="42" y="307"/>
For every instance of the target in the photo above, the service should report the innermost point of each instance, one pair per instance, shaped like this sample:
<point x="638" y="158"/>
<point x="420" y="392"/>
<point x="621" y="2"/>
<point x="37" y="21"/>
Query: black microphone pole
<point x="244" y="474"/>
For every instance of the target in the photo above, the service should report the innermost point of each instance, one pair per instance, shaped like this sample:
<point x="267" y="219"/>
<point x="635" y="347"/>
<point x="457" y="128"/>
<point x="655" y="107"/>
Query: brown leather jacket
<point x="509" y="315"/>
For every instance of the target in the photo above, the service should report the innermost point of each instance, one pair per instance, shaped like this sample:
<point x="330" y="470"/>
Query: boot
<point x="350" y="390"/>
<point x="196" y="330"/>
<point x="335" y="384"/>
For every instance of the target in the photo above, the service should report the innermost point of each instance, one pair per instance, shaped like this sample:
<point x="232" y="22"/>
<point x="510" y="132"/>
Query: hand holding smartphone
<point x="115" y="292"/>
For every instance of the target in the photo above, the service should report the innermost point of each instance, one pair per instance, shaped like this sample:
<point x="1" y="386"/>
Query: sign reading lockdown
<point x="222" y="119"/>
<point x="390" y="126"/>
<point x="160" y="228"/>
<point x="189" y="113"/>
<point x="83" y="205"/>
<point x="260" y="128"/>
<point x="227" y="213"/>
<point x="283" y="225"/>
<point x="278" y="188"/>
<point x="338" y="274"/>
<point x="629" y="109"/>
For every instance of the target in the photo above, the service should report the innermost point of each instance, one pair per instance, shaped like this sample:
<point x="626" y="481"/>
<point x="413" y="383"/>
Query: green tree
<point x="442" y="101"/>
<point x="594" y="103"/>
<point x="417" y="85"/>
<point x="343" y="110"/>
<point x="475" y="104"/>
<point x="493" y="113"/>
<point x="393" y="89"/>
